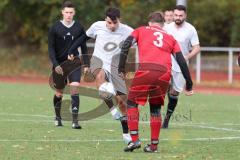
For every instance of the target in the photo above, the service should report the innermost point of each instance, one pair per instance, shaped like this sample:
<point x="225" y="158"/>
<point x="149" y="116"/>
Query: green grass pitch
<point x="203" y="127"/>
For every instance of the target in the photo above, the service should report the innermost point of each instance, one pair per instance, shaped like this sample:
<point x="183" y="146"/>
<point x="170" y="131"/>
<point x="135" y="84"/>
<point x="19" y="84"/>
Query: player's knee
<point x="100" y="75"/>
<point x="121" y="103"/>
<point x="123" y="107"/>
<point x="75" y="84"/>
<point x="173" y="94"/>
<point x="131" y="104"/>
<point x="173" y="100"/>
<point x="155" y="109"/>
<point x="59" y="93"/>
<point x="74" y="88"/>
<point x="106" y="91"/>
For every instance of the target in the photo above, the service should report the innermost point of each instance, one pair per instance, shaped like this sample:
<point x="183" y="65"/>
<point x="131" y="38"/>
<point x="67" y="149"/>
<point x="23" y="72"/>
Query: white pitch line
<point x="107" y="121"/>
<point x="198" y="125"/>
<point x="210" y="127"/>
<point x="26" y="120"/>
<point x="115" y="122"/>
<point x="117" y="140"/>
<point x="24" y="115"/>
<point x="51" y="121"/>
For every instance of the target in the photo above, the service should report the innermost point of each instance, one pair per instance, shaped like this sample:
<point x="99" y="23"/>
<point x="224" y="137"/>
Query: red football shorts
<point x="149" y="85"/>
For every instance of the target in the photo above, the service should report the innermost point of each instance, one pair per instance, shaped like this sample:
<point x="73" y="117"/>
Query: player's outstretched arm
<point x="81" y="41"/>
<point x="78" y="42"/>
<point x="185" y="71"/>
<point x="123" y="54"/>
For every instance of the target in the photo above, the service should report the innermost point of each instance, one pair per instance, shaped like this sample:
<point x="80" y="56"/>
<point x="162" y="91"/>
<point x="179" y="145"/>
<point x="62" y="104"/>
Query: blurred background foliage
<point x="24" y="26"/>
<point x="27" y="21"/>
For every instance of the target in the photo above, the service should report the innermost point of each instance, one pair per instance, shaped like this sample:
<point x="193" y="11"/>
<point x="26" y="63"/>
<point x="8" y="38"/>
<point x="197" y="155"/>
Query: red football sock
<point x="133" y="118"/>
<point x="155" y="123"/>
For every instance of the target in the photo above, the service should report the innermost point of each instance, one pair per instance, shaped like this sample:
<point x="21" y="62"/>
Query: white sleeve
<point x="194" y="38"/>
<point x="91" y="32"/>
<point x="130" y="30"/>
<point x="127" y="30"/>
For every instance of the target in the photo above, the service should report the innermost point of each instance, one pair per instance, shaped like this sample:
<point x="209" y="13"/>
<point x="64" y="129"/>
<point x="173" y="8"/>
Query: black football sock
<point x="122" y="119"/>
<point x="113" y="110"/>
<point x="172" y="103"/>
<point x="75" y="107"/>
<point x="124" y="123"/>
<point x="57" y="101"/>
<point x="109" y="103"/>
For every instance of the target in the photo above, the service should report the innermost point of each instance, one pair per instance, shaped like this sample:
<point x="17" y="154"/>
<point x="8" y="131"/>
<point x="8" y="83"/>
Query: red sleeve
<point x="135" y="34"/>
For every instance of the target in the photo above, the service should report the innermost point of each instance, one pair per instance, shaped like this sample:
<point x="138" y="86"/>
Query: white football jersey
<point x="108" y="43"/>
<point x="186" y="37"/>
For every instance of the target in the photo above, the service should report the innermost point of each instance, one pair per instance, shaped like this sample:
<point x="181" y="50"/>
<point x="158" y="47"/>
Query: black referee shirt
<point x="63" y="40"/>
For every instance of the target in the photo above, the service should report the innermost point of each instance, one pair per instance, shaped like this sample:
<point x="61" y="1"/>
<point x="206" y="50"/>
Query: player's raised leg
<point x="104" y="93"/>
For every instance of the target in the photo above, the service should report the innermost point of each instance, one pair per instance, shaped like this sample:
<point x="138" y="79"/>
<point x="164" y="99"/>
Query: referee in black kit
<point x="64" y="39"/>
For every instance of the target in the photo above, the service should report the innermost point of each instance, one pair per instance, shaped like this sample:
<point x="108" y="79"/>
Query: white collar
<point x="68" y="26"/>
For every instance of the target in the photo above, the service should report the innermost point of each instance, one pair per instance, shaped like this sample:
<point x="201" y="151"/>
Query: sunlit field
<point x="203" y="127"/>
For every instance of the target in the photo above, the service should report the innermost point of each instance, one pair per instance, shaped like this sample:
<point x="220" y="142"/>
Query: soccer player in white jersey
<point x="187" y="37"/>
<point x="109" y="35"/>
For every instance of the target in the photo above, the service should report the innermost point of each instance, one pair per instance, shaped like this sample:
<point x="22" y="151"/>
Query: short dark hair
<point x="168" y="9"/>
<point x="156" y="16"/>
<point x="68" y="4"/>
<point x="113" y="13"/>
<point x="181" y="8"/>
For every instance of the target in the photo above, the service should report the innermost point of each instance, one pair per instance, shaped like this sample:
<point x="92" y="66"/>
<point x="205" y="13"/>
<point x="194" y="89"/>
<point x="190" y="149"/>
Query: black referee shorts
<point x="71" y="73"/>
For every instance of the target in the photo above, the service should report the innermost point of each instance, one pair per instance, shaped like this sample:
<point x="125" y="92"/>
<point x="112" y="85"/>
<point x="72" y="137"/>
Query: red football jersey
<point x="155" y="46"/>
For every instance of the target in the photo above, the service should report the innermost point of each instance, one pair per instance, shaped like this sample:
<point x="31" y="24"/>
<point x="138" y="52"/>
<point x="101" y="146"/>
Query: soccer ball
<point x="106" y="90"/>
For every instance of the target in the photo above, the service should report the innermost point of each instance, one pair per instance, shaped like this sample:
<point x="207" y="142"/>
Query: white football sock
<point x="127" y="138"/>
<point x="115" y="113"/>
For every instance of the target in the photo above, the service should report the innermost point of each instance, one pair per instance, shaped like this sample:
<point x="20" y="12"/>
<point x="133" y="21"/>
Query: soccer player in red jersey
<point x="152" y="78"/>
